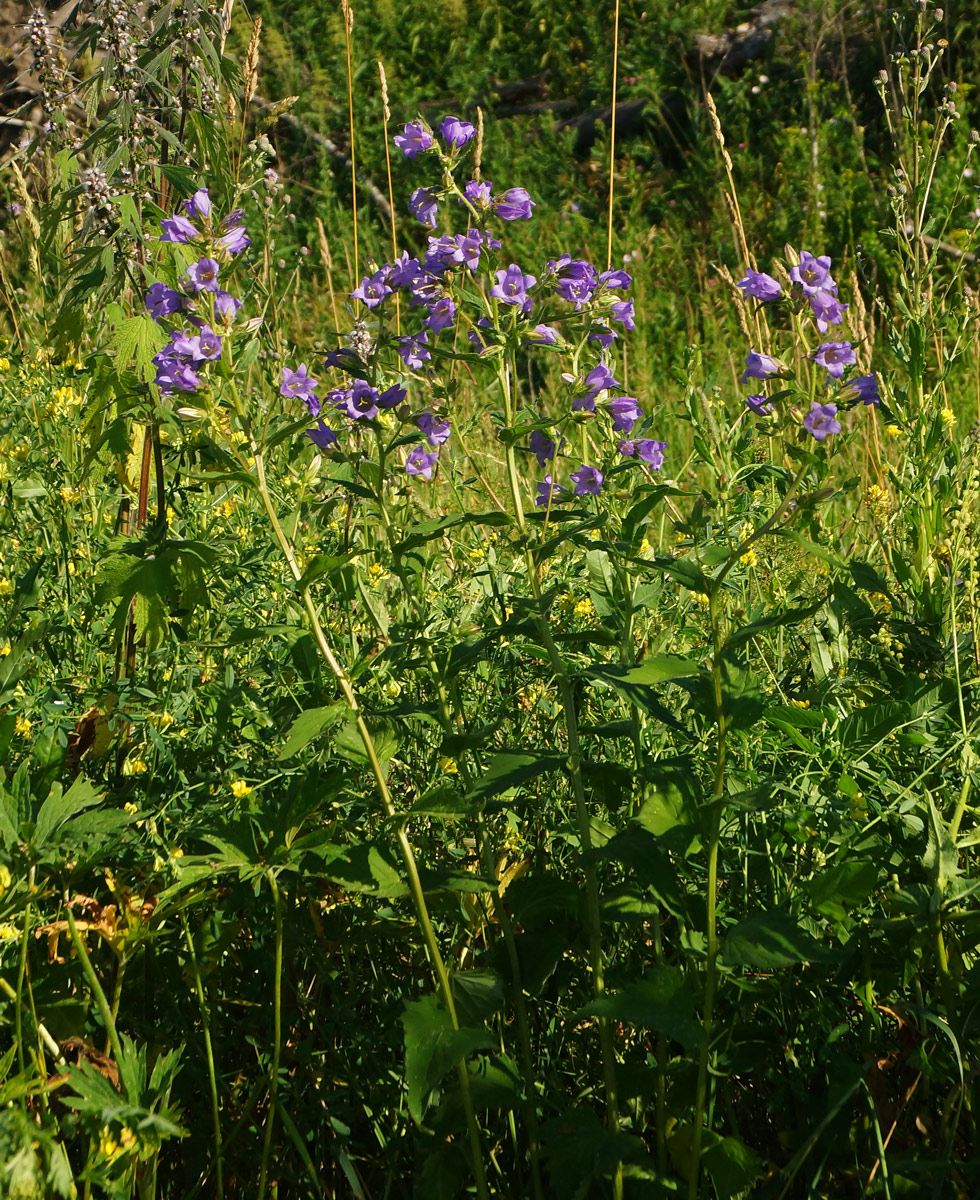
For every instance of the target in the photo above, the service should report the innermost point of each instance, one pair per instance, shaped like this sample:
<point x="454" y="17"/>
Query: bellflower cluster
<point x="812" y="286"/>
<point x="463" y="299"/>
<point x="202" y="303"/>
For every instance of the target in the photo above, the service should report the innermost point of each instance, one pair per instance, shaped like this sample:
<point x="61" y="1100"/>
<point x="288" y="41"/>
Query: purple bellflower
<point x="297" y="383"/>
<point x="760" y="286"/>
<point x="827" y="309"/>
<point x="442" y="313"/>
<point x="226" y="307"/>
<point x="423" y="207"/>
<point x="759" y="405"/>
<point x="760" y="366"/>
<point x="542" y="447"/>
<point x="198" y="208"/>
<point x="813" y="274"/>
<point x="413" y="350"/>
<point x="512" y="287"/>
<point x="514" y="205"/>
<point x="161" y="301"/>
<point x="835" y="356"/>
<point x="821" y="420"/>
<point x="436" y="432"/>
<point x="651" y="452"/>
<point x="625" y="413"/>
<point x="203" y="275"/>
<point x="421" y="462"/>
<point x="391" y="397"/>
<point x="413" y="139"/>
<point x="455" y="132"/>
<point x="478" y="193"/>
<point x="588" y="481"/>
<point x="178" y="229"/>
<point x="864" y="388"/>
<point x="373" y="288"/>
<point x="322" y="436"/>
<point x="547" y="491"/>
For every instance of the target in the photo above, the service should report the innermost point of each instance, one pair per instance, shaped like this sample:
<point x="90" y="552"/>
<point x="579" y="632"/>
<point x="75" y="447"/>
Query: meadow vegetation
<point x="490" y="660"/>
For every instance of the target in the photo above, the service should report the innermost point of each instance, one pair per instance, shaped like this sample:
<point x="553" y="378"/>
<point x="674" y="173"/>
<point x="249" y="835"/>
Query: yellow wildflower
<point x="239" y="789"/>
<point x="477" y="554"/>
<point x="948" y="417"/>
<point x="377" y="572"/>
<point x="134" y="766"/>
<point x="131" y="808"/>
<point x="4" y="364"/>
<point x="4" y="650"/>
<point x="893" y="430"/>
<point x="161" y="720"/>
<point x="70" y="494"/>
<point x="583" y="608"/>
<point x="749" y="558"/>
<point x="6" y="587"/>
<point x="4" y="879"/>
<point x="448" y="766"/>
<point x="8" y="931"/>
<point x="702" y="598"/>
<point x="23" y="727"/>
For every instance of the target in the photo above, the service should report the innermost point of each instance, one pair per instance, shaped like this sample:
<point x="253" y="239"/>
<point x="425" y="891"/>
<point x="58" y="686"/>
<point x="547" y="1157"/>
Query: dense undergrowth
<point x="489" y="697"/>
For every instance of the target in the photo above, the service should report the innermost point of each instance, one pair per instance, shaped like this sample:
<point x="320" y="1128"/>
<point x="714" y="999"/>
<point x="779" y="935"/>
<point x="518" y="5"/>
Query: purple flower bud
<point x="542" y="335"/>
<point x="864" y="388"/>
<point x="759" y="405"/>
<point x="600" y="379"/>
<point x="392" y="397"/>
<point x="622" y="311"/>
<point x="603" y="335"/>
<point x="616" y="279"/>
<point x="198" y="208"/>
<point x="455" y="132"/>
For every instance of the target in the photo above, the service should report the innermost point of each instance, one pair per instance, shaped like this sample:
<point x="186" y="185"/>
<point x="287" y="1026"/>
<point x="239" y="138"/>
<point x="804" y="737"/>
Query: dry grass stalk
<point x="251" y="69"/>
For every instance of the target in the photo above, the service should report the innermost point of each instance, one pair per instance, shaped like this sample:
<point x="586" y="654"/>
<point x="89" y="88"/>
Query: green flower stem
<point x="506" y="925"/>
<point x="276" y="1036"/>
<point x="593" y="912"/>
<point x="404" y="845"/>
<point x="209" y="1054"/>
<point x="715" y="810"/>
<point x="93" y="982"/>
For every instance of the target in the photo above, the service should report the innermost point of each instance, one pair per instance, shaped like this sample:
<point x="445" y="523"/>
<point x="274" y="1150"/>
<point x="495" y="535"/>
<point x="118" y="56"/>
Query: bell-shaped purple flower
<point x="413" y="139"/>
<point x="178" y="229"/>
<point x="547" y="492"/>
<point x="835" y="356"/>
<point x="512" y="287"/>
<point x="198" y="207"/>
<point x="759" y="405"/>
<point x="625" y="412"/>
<point x="413" y="350"/>
<point x="373" y="288"/>
<point x="651" y="452"/>
<point x="514" y="205"/>
<point x="456" y="132"/>
<point x="864" y="388"/>
<point x="588" y="481"/>
<point x="827" y="309"/>
<point x="436" y="432"/>
<point x="813" y="274"/>
<point x="442" y="312"/>
<point x="542" y="447"/>
<point x="421" y="462"/>
<point x="423" y="207"/>
<point x="203" y="275"/>
<point x="297" y="383"/>
<point x="821" y="420"/>
<point x="321" y="435"/>
<point x="760" y="366"/>
<point x="161" y="301"/>
<point x="760" y="286"/>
